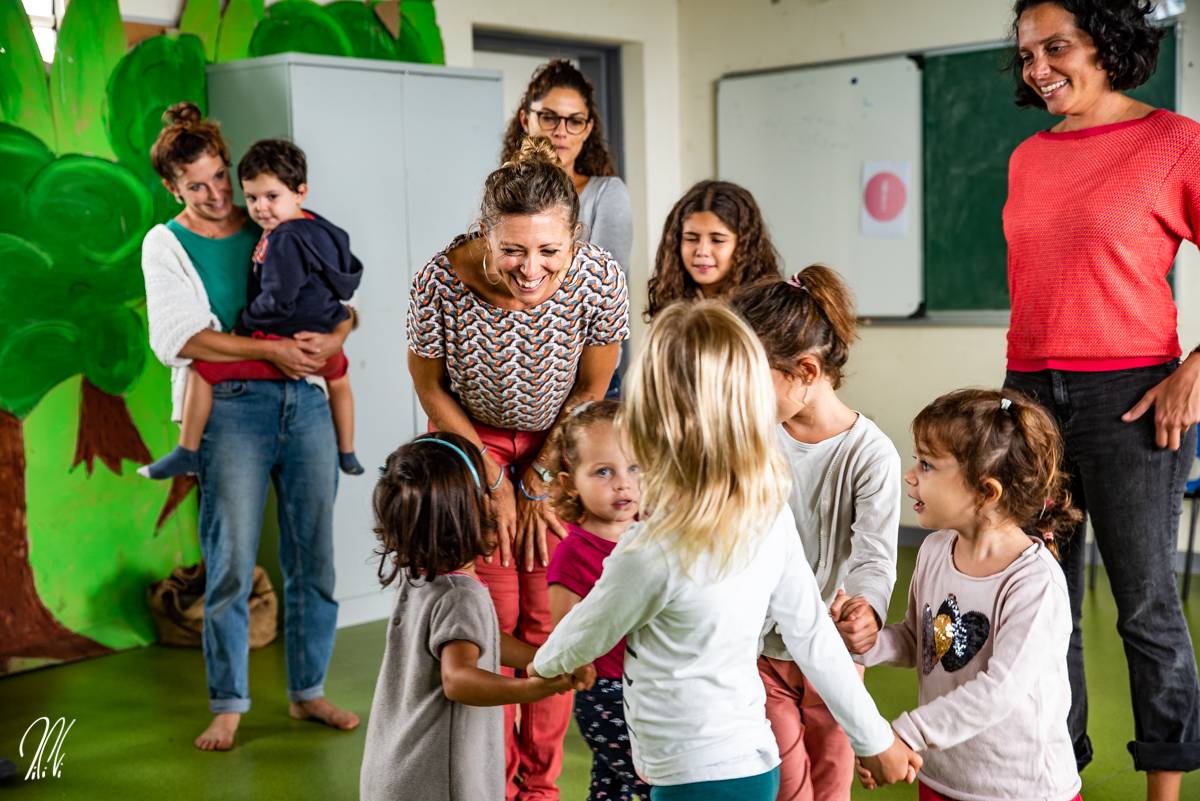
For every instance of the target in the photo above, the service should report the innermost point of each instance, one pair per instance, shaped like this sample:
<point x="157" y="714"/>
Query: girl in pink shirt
<point x="596" y="492"/>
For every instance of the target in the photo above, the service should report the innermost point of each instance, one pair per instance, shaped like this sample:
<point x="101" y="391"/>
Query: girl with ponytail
<point x="845" y="497"/>
<point x="989" y="618"/>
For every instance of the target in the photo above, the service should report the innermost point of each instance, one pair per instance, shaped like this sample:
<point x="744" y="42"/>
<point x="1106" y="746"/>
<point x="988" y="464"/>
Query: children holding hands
<point x="690" y="585"/>
<point x="437" y="720"/>
<point x="596" y="490"/>
<point x="988" y="618"/>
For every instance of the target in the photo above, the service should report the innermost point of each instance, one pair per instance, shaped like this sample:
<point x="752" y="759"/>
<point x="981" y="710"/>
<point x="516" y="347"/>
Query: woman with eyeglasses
<point x="560" y="104"/>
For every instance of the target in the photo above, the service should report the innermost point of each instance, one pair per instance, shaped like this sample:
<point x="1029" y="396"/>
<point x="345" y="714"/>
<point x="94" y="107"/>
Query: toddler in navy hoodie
<point x="302" y="271"/>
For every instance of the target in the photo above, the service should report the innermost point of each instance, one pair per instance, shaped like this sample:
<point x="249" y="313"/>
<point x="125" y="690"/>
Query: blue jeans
<point x="281" y="431"/>
<point x="1133" y="492"/>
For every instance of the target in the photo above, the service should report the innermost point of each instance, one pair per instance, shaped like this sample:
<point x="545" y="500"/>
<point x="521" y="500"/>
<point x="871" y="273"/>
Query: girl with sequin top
<point x="988" y="619"/>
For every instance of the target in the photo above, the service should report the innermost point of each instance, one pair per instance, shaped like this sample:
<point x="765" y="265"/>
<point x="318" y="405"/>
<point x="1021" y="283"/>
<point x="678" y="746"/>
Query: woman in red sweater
<point x="1097" y="208"/>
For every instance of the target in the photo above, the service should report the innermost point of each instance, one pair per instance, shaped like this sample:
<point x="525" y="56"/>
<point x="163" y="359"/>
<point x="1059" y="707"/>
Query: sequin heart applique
<point x="951" y="637"/>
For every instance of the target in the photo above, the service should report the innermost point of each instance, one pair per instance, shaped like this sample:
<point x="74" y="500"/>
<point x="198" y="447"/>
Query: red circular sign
<point x="885" y="196"/>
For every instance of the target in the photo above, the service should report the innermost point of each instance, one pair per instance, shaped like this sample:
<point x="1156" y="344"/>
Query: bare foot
<point x="219" y="734"/>
<point x="320" y="709"/>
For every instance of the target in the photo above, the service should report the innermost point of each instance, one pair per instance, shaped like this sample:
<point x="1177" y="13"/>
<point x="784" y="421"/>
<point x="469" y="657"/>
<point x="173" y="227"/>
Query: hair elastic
<point x="461" y="453"/>
<point x="1005" y="403"/>
<point x="797" y="282"/>
<point x="581" y="408"/>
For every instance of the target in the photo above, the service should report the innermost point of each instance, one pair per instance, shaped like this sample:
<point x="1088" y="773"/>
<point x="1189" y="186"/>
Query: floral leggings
<point x="600" y="714"/>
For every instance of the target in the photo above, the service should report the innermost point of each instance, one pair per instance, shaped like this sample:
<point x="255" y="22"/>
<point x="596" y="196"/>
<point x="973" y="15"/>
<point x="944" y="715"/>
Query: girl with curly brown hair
<point x="714" y="240"/>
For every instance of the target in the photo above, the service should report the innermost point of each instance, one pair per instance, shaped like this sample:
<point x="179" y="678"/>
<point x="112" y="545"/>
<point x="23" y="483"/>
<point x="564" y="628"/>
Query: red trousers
<point x="534" y="750"/>
<point x="251" y="370"/>
<point x="816" y="760"/>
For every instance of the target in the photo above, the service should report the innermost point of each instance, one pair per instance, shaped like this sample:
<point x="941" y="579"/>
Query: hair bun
<point x="185" y="115"/>
<point x="536" y="148"/>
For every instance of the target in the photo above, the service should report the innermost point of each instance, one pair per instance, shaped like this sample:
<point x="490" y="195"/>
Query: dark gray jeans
<point x="1133" y="493"/>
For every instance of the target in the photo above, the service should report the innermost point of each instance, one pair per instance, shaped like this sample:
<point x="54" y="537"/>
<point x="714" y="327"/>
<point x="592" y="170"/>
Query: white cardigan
<point x="693" y="695"/>
<point x="176" y="306"/>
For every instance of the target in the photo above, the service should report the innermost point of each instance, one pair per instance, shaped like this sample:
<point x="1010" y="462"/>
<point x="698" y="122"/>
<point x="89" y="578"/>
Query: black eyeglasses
<point x="549" y="121"/>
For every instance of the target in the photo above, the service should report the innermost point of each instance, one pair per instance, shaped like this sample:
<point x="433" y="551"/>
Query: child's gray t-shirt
<point x="420" y="744"/>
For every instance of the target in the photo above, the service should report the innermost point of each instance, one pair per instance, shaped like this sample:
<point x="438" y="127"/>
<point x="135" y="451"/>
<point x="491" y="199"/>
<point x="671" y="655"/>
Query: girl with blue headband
<point x="437" y="720"/>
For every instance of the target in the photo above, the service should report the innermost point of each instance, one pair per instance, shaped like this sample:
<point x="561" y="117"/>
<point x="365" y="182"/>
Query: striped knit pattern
<point x="1093" y="221"/>
<point x="514" y="369"/>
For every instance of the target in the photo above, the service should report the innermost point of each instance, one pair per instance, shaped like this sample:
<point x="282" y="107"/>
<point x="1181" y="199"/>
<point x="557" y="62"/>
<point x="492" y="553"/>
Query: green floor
<point x="137" y="712"/>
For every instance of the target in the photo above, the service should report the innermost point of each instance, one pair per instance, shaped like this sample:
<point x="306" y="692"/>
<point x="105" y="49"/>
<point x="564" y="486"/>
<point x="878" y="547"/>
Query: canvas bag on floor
<point x="177" y="604"/>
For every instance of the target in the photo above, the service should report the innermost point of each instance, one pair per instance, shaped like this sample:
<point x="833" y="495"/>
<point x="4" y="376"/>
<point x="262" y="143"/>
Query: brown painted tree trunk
<point x="180" y="487"/>
<point x="27" y="628"/>
<point x="107" y="432"/>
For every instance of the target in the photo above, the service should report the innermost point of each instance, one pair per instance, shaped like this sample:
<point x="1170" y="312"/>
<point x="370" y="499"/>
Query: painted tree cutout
<point x="181" y="486"/>
<point x="237" y="28"/>
<point x="203" y="18"/>
<point x="24" y="95"/>
<point x="107" y="432"/>
<point x="70" y="250"/>
<point x="26" y="625"/>
<point x="90" y="43"/>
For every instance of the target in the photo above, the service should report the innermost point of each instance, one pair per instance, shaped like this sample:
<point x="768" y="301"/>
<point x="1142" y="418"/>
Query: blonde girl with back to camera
<point x="690" y="585"/>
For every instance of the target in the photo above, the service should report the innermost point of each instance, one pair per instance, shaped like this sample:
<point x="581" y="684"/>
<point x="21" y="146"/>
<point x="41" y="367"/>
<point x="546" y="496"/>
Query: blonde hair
<point x="575" y="424"/>
<point x="699" y="411"/>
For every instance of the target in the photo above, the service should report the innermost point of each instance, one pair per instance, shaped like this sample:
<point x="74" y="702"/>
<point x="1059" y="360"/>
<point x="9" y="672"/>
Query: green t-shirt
<point x="223" y="265"/>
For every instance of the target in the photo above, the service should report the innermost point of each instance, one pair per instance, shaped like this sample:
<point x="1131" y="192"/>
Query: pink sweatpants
<point x="522" y="602"/>
<point x="817" y="762"/>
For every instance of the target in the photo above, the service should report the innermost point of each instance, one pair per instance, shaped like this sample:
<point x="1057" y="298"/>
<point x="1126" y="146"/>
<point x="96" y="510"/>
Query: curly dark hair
<point x="754" y="256"/>
<point x="594" y="157"/>
<point x="432" y="508"/>
<point x="1128" y="44"/>
<point x="1017" y="444"/>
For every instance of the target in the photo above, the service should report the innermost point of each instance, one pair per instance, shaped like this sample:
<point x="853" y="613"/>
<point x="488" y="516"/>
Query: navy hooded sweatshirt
<point x="302" y="271"/>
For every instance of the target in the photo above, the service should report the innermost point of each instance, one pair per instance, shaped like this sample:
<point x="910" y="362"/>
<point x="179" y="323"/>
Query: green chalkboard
<point x="971" y="127"/>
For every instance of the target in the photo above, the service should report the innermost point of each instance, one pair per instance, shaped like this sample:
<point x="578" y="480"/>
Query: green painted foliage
<point x="424" y="41"/>
<point x="72" y="229"/>
<point x="366" y="33"/>
<point x="203" y="19"/>
<point x="90" y="44"/>
<point x="155" y="75"/>
<point x="299" y="26"/>
<point x="237" y="28"/>
<point x="24" y="95"/>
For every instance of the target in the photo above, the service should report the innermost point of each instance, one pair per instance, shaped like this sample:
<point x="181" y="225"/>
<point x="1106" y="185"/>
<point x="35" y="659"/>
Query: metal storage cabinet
<point x="397" y="156"/>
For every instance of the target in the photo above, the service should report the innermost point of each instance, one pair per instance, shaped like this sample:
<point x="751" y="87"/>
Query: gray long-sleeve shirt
<point x="605" y="211"/>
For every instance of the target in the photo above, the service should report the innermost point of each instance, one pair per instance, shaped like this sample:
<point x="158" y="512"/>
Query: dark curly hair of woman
<point x="594" y="157"/>
<point x="754" y="256"/>
<point x="1127" y="42"/>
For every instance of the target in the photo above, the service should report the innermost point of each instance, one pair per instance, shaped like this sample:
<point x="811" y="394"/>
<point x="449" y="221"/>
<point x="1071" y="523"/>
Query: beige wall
<point x="894" y="371"/>
<point x="649" y="34"/>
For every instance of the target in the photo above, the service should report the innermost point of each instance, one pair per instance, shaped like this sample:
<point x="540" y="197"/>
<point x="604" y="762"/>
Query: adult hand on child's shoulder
<point x="856" y="621"/>
<point x="897" y="763"/>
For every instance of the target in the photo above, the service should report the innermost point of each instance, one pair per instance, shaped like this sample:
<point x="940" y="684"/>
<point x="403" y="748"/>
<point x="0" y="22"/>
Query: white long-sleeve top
<point x="992" y="720"/>
<point x="693" y="696"/>
<point x="176" y="306"/>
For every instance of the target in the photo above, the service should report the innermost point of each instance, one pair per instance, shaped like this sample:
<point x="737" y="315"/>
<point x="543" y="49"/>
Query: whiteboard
<point x="800" y="140"/>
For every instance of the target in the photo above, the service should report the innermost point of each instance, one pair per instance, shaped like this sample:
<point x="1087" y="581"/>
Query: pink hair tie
<point x="797" y="282"/>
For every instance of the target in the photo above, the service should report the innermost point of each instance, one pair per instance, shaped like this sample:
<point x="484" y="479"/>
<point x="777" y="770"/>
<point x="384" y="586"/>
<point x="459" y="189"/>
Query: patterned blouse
<point x="514" y="369"/>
